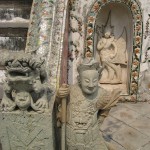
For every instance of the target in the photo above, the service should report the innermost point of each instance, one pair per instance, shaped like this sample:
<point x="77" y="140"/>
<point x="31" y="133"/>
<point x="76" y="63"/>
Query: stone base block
<point x="26" y="131"/>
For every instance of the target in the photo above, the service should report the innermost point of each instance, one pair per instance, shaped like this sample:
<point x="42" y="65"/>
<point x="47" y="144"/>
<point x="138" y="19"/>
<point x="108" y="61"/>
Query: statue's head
<point x="89" y="75"/>
<point x="23" y="100"/>
<point x="108" y="28"/>
<point x="23" y="67"/>
<point x="107" y="32"/>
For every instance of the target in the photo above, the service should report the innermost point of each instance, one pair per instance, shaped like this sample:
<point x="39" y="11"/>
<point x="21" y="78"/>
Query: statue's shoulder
<point x="74" y="89"/>
<point x="74" y="86"/>
<point x="104" y="94"/>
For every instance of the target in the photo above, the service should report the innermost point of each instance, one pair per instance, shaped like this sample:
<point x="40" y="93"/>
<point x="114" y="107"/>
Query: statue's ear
<point x="78" y="78"/>
<point x="100" y="75"/>
<point x="100" y="72"/>
<point x="14" y="94"/>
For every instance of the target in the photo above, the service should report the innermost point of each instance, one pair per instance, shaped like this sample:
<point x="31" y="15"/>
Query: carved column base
<point x="26" y="131"/>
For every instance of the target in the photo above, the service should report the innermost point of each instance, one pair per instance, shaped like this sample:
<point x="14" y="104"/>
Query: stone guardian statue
<point x="87" y="106"/>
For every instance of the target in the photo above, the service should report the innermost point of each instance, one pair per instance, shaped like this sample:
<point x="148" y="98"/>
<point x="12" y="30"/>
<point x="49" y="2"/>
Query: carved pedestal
<point x="22" y="130"/>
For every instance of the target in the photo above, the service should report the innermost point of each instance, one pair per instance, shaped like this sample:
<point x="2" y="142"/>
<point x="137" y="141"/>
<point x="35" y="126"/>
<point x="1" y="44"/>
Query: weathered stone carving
<point x="26" y="119"/>
<point x="87" y="107"/>
<point x="22" y="130"/>
<point x="25" y="86"/>
<point x="112" y="53"/>
<point x="144" y="86"/>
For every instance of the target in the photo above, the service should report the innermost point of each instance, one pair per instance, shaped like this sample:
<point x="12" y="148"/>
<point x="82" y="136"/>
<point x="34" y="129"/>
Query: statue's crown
<point x="108" y="26"/>
<point x="89" y="64"/>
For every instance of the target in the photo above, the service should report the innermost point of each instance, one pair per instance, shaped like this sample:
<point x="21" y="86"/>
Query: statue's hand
<point x="42" y="104"/>
<point x="112" y="56"/>
<point x="37" y="86"/>
<point x="63" y="91"/>
<point x="7" y="105"/>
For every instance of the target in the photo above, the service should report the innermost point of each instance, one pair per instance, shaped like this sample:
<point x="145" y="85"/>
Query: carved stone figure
<point x="87" y="106"/>
<point x="26" y="119"/>
<point x="112" y="53"/>
<point x="23" y="100"/>
<point x="25" y="85"/>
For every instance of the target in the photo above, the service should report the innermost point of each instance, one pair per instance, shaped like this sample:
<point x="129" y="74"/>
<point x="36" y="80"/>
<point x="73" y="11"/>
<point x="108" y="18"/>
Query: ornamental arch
<point x="134" y="48"/>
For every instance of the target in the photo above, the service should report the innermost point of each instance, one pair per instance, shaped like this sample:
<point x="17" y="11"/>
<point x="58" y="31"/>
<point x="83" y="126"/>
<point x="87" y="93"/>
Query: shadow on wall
<point x="1" y="94"/>
<point x="1" y="91"/>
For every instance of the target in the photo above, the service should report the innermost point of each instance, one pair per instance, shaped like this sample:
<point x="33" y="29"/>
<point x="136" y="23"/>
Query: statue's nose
<point x="91" y="84"/>
<point x="16" y="64"/>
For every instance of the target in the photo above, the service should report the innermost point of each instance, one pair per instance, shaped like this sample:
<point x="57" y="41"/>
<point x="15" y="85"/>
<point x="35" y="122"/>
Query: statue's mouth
<point x="19" y="74"/>
<point x="91" y="88"/>
<point x="15" y="72"/>
<point x="22" y="100"/>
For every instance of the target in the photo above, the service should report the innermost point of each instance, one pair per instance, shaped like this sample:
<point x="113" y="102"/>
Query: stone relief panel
<point x="25" y="86"/>
<point x="111" y="48"/>
<point x="31" y="131"/>
<point x="26" y="119"/>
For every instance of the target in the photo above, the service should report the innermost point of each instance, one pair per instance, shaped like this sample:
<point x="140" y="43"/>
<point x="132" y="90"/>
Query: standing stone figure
<point x="87" y="106"/>
<point x="112" y="53"/>
<point x="108" y="51"/>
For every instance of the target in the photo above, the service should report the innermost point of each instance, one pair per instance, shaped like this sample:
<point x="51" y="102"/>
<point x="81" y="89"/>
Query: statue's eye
<point x="9" y="63"/>
<point x="86" y="80"/>
<point x="24" y="64"/>
<point x="95" y="80"/>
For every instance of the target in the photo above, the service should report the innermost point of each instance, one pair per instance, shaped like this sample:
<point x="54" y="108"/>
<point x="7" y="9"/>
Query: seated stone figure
<point x="87" y="106"/>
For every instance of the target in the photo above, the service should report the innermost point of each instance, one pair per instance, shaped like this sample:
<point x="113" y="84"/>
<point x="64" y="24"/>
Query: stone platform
<point x="128" y="126"/>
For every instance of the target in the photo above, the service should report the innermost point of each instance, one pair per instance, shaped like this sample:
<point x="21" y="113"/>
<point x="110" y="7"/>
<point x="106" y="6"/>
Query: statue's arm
<point x="115" y="49"/>
<point x="106" y="102"/>
<point x="103" y="100"/>
<point x="100" y="44"/>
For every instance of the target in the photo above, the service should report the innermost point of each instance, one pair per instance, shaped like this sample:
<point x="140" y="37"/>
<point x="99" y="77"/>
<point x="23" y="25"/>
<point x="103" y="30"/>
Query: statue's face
<point x="23" y="100"/>
<point x="89" y="81"/>
<point x="107" y="34"/>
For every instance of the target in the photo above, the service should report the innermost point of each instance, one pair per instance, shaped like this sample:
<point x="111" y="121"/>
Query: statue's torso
<point x="82" y="124"/>
<point x="108" y="49"/>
